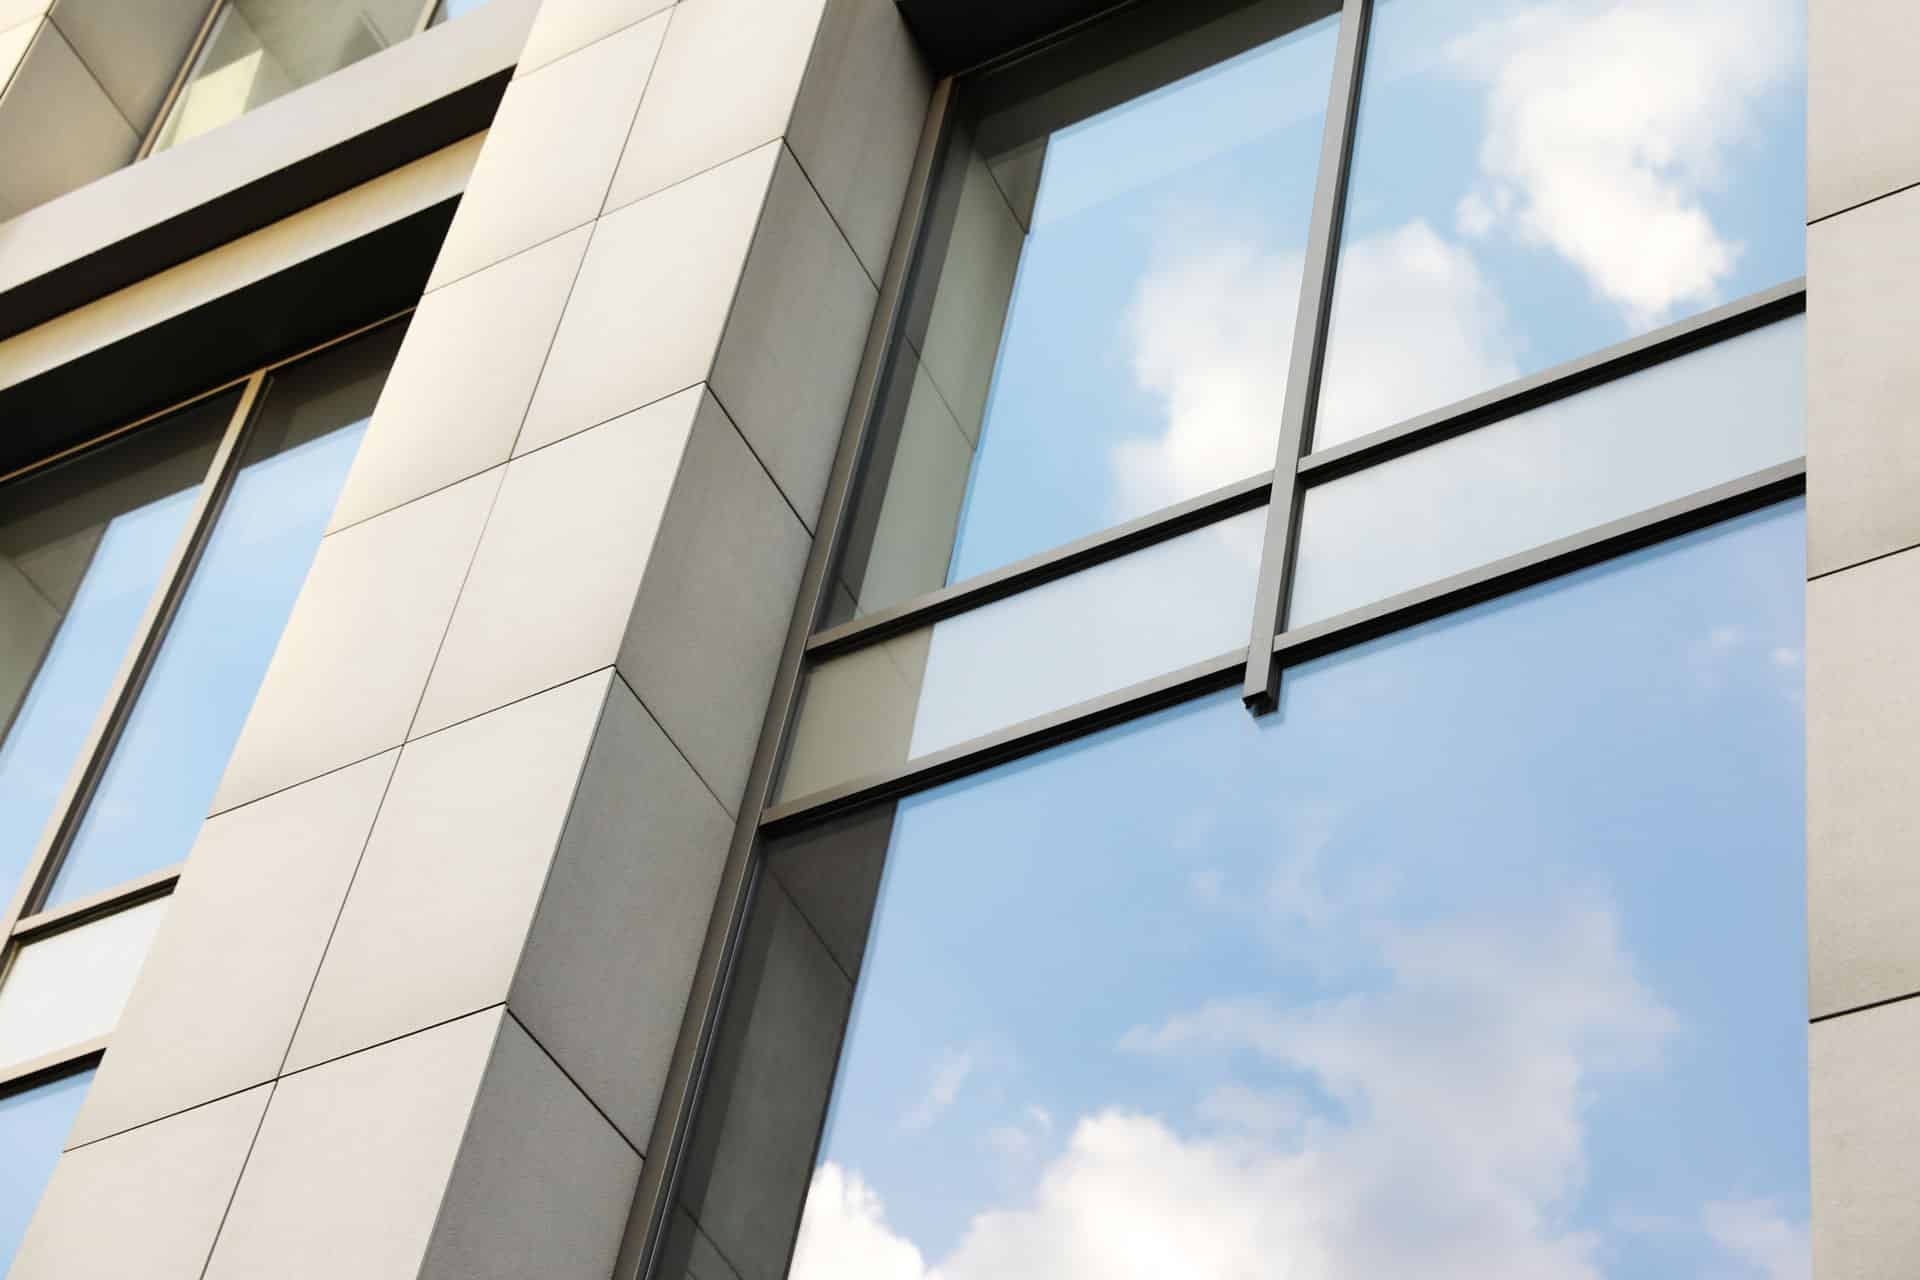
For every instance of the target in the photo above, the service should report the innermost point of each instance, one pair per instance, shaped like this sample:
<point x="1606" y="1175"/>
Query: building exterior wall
<point x="1863" y="678"/>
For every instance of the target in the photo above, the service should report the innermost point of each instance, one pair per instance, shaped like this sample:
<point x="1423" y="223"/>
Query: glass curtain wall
<point x="1483" y="953"/>
<point x="146" y="582"/>
<point x="257" y="50"/>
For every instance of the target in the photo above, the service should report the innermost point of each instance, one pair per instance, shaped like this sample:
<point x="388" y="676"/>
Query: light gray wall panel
<point x="144" y="1203"/>
<point x="786" y="366"/>
<point x="1863" y="384"/>
<point x="1866" y="1144"/>
<point x="553" y="583"/>
<point x="453" y="404"/>
<point x="215" y="1007"/>
<point x="133" y="50"/>
<point x="440" y="909"/>
<point x="1863" y="111"/>
<point x="564" y="122"/>
<point x="628" y="895"/>
<point x="354" y="659"/>
<point x="52" y="84"/>
<point x="353" y="1160"/>
<point x="542" y="1184"/>
<point x="563" y="26"/>
<point x="652" y="300"/>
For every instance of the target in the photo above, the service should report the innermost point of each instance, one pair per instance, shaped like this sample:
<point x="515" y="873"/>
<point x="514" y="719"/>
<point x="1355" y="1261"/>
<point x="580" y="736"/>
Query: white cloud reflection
<point x="1438" y="1128"/>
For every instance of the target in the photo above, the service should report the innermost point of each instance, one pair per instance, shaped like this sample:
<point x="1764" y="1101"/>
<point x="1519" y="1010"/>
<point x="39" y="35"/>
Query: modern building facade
<point x="737" y="639"/>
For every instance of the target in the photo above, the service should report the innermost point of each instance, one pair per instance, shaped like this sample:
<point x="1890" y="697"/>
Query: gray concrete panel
<point x="440" y="909"/>
<point x="542" y="1184"/>
<point x="714" y="607"/>
<point x="726" y="82"/>
<point x="353" y="1160"/>
<point x="603" y="982"/>
<point x="1866" y="1144"/>
<point x="652" y="300"/>
<point x="145" y="1203"/>
<point x="554" y="580"/>
<point x="1863" y="817"/>
<point x="354" y="658"/>
<point x="1863" y="384"/>
<point x="562" y="26"/>
<point x="1863" y="109"/>
<point x="857" y="122"/>
<point x="52" y="84"/>
<point x="800" y="318"/>
<point x="565" y="123"/>
<point x="459" y="390"/>
<point x="215" y="1007"/>
<point x="134" y="51"/>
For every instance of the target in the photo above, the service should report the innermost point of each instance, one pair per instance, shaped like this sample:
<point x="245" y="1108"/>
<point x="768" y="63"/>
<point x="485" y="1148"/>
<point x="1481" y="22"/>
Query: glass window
<point x="451" y="9"/>
<point x="1652" y="437"/>
<point x="83" y="547"/>
<point x="69" y="987"/>
<point x="1534" y="180"/>
<point x="1108" y="294"/>
<point x="1142" y="615"/>
<point x="161" y="778"/>
<point x="261" y="49"/>
<point x="34" y="1124"/>
<point x="1380" y="985"/>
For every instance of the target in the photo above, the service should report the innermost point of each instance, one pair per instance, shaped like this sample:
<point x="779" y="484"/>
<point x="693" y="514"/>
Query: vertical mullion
<point x="1262" y="688"/>
<point x="127" y="683"/>
<point x="188" y="66"/>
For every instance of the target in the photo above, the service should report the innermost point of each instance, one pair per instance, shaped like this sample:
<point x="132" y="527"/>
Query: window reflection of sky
<point x="1533" y="180"/>
<point x="1484" y="957"/>
<point x="33" y="1128"/>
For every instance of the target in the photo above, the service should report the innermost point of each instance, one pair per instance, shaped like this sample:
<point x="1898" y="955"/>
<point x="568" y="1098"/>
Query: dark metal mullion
<point x="150" y="636"/>
<point x="1563" y="380"/>
<point x="645" y="1237"/>
<point x="156" y="884"/>
<point x="1109" y="544"/>
<point x="1261" y="687"/>
<point x="49" y="1067"/>
<point x="1343" y="631"/>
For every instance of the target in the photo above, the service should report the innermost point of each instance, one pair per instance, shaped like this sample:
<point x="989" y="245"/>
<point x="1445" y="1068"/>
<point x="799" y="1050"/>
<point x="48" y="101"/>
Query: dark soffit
<point x="955" y="35"/>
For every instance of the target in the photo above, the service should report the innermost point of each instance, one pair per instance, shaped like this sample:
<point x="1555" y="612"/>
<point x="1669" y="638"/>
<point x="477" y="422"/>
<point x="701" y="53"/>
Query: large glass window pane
<point x="82" y="550"/>
<point x="260" y="49"/>
<point x="1131" y="619"/>
<point x="1484" y="956"/>
<point x="164" y="770"/>
<point x="34" y="1124"/>
<point x="1107" y="299"/>
<point x="1652" y="437"/>
<point x="1534" y="180"/>
<point x="69" y="987"/>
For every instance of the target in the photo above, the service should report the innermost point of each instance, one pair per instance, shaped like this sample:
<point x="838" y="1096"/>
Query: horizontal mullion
<point x="1012" y="743"/>
<point x="50" y="1066"/>
<point x="1109" y="544"/>
<point x="1355" y="627"/>
<point x="134" y="892"/>
<point x="1541" y="564"/>
<point x="1557" y="383"/>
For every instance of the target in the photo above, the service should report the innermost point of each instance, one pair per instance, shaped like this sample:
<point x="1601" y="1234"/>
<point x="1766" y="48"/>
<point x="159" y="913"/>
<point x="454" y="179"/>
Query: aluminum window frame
<point x="1272" y="646"/>
<point x="25" y="918"/>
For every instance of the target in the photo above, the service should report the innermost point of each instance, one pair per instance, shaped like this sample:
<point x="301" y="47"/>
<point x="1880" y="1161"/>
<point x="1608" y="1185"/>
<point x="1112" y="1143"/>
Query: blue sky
<point x="1530" y="184"/>
<point x="1484" y="956"/>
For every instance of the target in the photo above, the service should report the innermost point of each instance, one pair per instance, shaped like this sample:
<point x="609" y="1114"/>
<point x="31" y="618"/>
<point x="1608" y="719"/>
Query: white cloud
<point x="943" y="1087"/>
<point x="1757" y="1233"/>
<point x="1456" y="1150"/>
<point x="1211" y="334"/>
<point x="1608" y="124"/>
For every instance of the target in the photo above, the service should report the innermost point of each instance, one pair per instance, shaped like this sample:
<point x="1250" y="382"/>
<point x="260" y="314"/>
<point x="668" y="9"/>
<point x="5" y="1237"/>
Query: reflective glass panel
<point x="82" y="550"/>
<point x="1534" y="180"/>
<point x="1143" y="615"/>
<point x="451" y="9"/>
<point x="34" y="1124"/>
<point x="1652" y="437"/>
<point x="1484" y="956"/>
<point x="69" y="987"/>
<point x="1108" y="292"/>
<point x="164" y="769"/>
<point x="260" y="49"/>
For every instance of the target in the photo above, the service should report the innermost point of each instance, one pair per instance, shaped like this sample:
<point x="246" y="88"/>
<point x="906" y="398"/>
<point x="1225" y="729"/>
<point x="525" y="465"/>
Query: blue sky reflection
<point x="1484" y="957"/>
